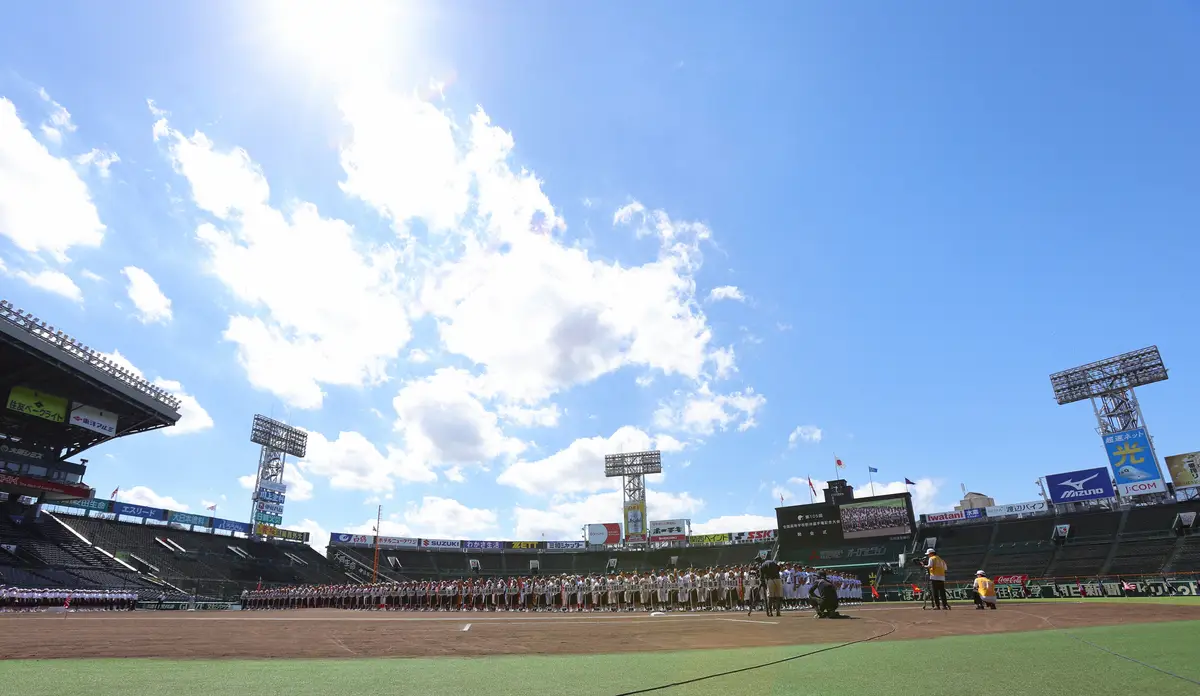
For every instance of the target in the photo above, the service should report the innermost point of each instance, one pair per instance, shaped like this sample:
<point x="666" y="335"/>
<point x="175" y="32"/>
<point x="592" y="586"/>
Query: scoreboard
<point x="826" y="525"/>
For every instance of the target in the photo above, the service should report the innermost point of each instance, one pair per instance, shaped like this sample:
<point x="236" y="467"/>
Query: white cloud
<point x="44" y="205"/>
<point x="666" y="443"/>
<point x="206" y="504"/>
<point x="95" y="278"/>
<point x="55" y="282"/>
<point x="734" y="523"/>
<point x="644" y="380"/>
<point x="418" y="356"/>
<point x="626" y="214"/>
<point x="192" y="416"/>
<point x="58" y="122"/>
<point x="723" y="360"/>
<point x="726" y="292"/>
<point x="577" y="469"/>
<point x="141" y="495"/>
<point x="702" y="412"/>
<point x="544" y="417"/>
<point x="444" y="423"/>
<point x="152" y="305"/>
<point x="351" y="462"/>
<point x="100" y="159"/>
<point x="565" y="520"/>
<point x="780" y="493"/>
<point x="804" y="433"/>
<point x="318" y="536"/>
<point x="322" y="307"/>
<point x="434" y="517"/>
<point x="299" y="488"/>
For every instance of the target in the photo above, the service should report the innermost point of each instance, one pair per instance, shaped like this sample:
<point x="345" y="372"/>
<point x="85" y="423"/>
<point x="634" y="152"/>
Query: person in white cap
<point x="985" y="591"/>
<point x="937" y="579"/>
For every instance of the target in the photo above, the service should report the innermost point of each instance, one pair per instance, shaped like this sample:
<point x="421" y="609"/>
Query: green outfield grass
<point x="1011" y="663"/>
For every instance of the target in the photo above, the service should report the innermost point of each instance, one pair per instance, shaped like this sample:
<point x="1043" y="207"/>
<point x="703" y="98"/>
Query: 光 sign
<point x="1089" y="484"/>
<point x="1133" y="463"/>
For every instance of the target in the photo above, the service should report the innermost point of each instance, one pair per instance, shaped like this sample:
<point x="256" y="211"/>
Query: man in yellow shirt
<point x="985" y="592"/>
<point x="936" y="568"/>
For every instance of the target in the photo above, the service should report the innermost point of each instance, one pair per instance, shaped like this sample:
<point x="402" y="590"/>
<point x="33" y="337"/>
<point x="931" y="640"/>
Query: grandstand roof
<point x="37" y="356"/>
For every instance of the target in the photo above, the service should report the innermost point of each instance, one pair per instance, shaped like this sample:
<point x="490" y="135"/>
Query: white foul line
<point x="466" y="628"/>
<point x="750" y="621"/>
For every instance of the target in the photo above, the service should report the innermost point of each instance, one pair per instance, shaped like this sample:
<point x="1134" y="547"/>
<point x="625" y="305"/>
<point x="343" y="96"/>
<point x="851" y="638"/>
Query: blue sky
<point x="472" y="249"/>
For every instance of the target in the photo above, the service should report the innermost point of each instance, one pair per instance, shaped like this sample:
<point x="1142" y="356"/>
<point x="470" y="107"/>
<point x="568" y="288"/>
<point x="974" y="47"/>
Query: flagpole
<point x="871" y="477"/>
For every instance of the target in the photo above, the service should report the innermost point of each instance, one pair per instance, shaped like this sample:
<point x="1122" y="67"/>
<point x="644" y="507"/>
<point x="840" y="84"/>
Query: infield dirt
<point x="331" y="633"/>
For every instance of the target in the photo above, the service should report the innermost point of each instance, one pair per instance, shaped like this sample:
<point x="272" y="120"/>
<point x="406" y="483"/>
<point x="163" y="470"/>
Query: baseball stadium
<point x="1091" y="588"/>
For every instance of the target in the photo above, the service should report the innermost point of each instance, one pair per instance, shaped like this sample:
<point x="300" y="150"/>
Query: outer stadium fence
<point x="1023" y="587"/>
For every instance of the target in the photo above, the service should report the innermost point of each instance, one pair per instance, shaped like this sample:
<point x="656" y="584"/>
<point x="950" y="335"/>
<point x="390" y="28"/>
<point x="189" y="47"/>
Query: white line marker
<point x="466" y="628"/>
<point x="751" y="621"/>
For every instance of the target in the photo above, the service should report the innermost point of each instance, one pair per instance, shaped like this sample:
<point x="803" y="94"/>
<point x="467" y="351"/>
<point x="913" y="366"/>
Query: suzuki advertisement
<point x="1074" y="486"/>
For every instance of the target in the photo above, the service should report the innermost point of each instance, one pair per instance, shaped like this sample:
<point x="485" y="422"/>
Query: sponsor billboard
<point x="269" y="530"/>
<point x="566" y="545"/>
<point x="855" y="553"/>
<point x="396" y="542"/>
<point x="187" y="518"/>
<point x="94" y="419"/>
<point x="1011" y="579"/>
<point x="1185" y="469"/>
<point x="973" y="513"/>
<point x="280" y="488"/>
<point x="270" y="496"/>
<point x="604" y="534"/>
<point x="483" y="545"/>
<point x="350" y="539"/>
<point x="37" y="404"/>
<point x="1030" y="508"/>
<point x="949" y="516"/>
<point x="87" y="504"/>
<point x="751" y="537"/>
<point x="709" y="538"/>
<point x="231" y="526"/>
<point x="807" y="526"/>
<point x="20" y="454"/>
<point x="1133" y="464"/>
<point x="74" y="490"/>
<point x="441" y="544"/>
<point x="523" y="545"/>
<point x="268" y="518"/>
<point x="668" y="530"/>
<point x="635" y="521"/>
<point x="1074" y="486"/>
<point x="883" y="515"/>
<point x="269" y="508"/>
<point x="146" y="513"/>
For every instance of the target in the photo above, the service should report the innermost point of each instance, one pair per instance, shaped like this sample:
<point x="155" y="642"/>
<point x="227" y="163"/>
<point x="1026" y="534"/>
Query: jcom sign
<point x="1089" y="484"/>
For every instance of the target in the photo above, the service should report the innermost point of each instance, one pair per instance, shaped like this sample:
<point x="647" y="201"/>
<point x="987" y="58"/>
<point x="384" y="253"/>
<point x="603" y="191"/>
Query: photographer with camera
<point x="825" y="598"/>
<point x="935" y="569"/>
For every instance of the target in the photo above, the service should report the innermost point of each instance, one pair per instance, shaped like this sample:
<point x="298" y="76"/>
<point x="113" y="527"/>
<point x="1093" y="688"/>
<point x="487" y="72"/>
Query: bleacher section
<point x="210" y="565"/>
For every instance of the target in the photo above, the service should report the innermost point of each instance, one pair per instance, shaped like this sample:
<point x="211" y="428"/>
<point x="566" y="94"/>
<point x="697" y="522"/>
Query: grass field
<point x="1013" y="663"/>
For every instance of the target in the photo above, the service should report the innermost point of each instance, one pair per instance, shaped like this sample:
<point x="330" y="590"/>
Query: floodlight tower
<point x="1109" y="385"/>
<point x="633" y="467"/>
<point x="277" y="440"/>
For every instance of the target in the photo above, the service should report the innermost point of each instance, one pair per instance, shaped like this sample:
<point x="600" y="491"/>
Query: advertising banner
<point x="1011" y="579"/>
<point x="94" y="419"/>
<point x="950" y="516"/>
<point x="856" y="553"/>
<point x="231" y="526"/>
<point x="753" y="537"/>
<point x="1074" y="486"/>
<point x="186" y="518"/>
<point x="146" y="513"/>
<point x="267" y="530"/>
<point x="668" y="530"/>
<point x="604" y="534"/>
<point x="441" y="544"/>
<point x="269" y="508"/>
<point x="708" y="538"/>
<point x="270" y="496"/>
<point x="523" y="545"/>
<point x="635" y="522"/>
<point x="291" y="535"/>
<point x="1185" y="469"/>
<point x="280" y="488"/>
<point x="888" y="515"/>
<point x="20" y="454"/>
<point x="805" y="526"/>
<point x="1133" y="464"/>
<point x="37" y="404"/>
<point x="566" y="545"/>
<point x="87" y="504"/>
<point x="76" y="490"/>
<point x="973" y="513"/>
<point x="350" y="539"/>
<point x="1033" y="507"/>
<point x="268" y="518"/>
<point x="398" y="542"/>
<point x="484" y="545"/>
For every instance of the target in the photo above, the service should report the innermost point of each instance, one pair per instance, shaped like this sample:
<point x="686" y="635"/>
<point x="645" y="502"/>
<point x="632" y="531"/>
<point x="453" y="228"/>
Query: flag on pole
<point x="839" y="462"/>
<point x="115" y="492"/>
<point x="212" y="507"/>
<point x="781" y="499"/>
<point x="874" y="592"/>
<point x="909" y="483"/>
<point x="872" y="470"/>
<point x="811" y="487"/>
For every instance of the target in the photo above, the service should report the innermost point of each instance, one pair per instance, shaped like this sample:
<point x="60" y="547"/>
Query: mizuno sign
<point x="1074" y="486"/>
